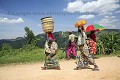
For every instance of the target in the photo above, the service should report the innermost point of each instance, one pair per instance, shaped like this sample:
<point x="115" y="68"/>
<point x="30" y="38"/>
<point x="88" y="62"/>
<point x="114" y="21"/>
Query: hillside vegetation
<point x="30" y="48"/>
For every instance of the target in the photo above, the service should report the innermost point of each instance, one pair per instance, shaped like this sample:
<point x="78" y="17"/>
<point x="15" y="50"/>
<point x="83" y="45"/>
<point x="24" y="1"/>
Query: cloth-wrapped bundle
<point x="80" y="23"/>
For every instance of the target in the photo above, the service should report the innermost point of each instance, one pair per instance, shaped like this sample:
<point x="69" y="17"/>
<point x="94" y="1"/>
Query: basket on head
<point x="47" y="24"/>
<point x="80" y="23"/>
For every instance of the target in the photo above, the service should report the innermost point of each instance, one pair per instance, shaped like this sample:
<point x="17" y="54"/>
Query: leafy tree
<point x="6" y="49"/>
<point x="31" y="39"/>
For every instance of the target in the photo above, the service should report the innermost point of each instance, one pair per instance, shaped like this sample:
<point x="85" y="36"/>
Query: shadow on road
<point x="118" y="56"/>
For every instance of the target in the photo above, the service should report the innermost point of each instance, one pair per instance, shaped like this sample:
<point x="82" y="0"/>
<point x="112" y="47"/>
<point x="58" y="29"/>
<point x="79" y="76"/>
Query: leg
<point x="47" y="58"/>
<point x="78" y="60"/>
<point x="55" y="63"/>
<point x="92" y="61"/>
<point x="68" y="52"/>
<point x="74" y="49"/>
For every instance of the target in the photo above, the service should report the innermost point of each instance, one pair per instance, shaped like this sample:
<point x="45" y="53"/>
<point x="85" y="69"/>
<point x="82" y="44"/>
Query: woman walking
<point x="71" y="45"/>
<point x="92" y="46"/>
<point x="50" y="52"/>
<point x="81" y="43"/>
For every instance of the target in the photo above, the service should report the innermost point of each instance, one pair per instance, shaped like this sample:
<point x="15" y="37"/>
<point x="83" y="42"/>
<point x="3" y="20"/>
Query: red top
<point x="93" y="37"/>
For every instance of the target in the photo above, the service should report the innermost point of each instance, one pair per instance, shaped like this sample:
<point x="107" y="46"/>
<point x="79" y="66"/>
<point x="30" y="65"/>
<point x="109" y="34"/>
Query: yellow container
<point x="80" y="23"/>
<point x="47" y="24"/>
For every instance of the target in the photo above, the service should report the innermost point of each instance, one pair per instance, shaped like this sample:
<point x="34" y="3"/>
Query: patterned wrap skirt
<point x="51" y="61"/>
<point x="84" y="57"/>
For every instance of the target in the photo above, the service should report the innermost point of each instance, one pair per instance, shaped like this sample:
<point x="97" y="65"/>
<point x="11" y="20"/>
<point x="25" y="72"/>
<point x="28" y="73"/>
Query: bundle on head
<point x="80" y="23"/>
<point x="47" y="24"/>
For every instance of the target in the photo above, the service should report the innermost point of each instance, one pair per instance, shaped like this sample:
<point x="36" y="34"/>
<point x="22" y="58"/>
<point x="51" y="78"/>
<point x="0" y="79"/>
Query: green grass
<point x="37" y="55"/>
<point x="117" y="53"/>
<point x="23" y="57"/>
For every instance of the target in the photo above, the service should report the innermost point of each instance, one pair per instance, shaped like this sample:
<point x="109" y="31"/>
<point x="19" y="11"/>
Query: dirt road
<point x="109" y="70"/>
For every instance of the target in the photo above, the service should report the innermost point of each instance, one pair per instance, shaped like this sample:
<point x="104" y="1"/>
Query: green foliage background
<point x="31" y="47"/>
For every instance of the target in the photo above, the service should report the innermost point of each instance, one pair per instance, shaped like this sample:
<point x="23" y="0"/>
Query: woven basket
<point x="47" y="24"/>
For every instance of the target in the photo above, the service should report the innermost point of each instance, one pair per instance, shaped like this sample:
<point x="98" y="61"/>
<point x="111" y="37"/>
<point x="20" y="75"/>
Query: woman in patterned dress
<point x="92" y="47"/>
<point x="87" y="54"/>
<point x="50" y="52"/>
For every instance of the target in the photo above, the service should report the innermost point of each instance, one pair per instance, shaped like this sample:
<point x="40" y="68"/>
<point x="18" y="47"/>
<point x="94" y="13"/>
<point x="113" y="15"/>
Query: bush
<point x="108" y="43"/>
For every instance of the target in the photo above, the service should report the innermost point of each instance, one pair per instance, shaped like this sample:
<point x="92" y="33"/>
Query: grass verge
<point x="38" y="55"/>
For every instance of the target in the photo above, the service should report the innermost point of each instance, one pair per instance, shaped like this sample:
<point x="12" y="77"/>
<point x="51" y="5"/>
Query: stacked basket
<point x="47" y="24"/>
